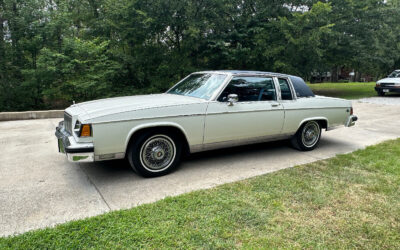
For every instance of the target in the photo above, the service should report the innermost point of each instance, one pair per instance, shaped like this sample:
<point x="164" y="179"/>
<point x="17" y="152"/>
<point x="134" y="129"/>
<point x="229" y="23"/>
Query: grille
<point x="68" y="123"/>
<point x="386" y="84"/>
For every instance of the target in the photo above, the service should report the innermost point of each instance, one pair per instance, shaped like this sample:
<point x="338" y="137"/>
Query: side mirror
<point x="232" y="98"/>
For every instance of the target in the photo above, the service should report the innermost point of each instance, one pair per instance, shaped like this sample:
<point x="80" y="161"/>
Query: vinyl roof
<point x="301" y="88"/>
<point x="245" y="72"/>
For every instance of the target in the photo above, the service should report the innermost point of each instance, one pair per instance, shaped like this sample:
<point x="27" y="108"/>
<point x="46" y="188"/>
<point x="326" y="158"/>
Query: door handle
<point x="276" y="105"/>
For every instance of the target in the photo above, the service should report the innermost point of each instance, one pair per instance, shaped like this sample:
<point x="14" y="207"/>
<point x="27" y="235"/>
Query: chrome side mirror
<point x="232" y="98"/>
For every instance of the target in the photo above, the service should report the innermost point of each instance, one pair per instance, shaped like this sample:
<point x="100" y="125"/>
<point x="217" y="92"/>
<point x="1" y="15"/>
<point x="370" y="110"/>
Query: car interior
<point x="251" y="89"/>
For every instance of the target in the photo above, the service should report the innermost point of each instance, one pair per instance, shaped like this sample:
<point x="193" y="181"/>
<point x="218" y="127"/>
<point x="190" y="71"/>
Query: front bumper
<point x="351" y="121"/>
<point x="76" y="152"/>
<point x="387" y="89"/>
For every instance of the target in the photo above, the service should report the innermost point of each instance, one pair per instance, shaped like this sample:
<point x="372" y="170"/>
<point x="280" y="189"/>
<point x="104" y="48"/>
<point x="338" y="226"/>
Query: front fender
<point x="153" y="125"/>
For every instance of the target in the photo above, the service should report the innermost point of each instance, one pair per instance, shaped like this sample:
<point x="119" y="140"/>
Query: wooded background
<point x="56" y="51"/>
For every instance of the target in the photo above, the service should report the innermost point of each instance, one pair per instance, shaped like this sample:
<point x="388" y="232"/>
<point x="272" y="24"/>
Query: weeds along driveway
<point x="39" y="188"/>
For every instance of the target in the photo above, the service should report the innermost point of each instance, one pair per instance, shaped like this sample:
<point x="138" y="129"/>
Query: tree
<point x="56" y="51"/>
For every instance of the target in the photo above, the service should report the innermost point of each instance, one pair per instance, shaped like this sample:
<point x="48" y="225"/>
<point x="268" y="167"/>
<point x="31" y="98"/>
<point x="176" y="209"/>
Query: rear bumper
<point x="351" y="121"/>
<point x="387" y="89"/>
<point x="75" y="152"/>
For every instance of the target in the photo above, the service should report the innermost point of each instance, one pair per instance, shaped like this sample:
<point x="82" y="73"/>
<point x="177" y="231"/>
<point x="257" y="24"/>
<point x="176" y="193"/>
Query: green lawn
<point x="353" y="90"/>
<point x="350" y="201"/>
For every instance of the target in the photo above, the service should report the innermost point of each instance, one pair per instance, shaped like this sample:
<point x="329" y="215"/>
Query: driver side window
<point x="250" y="88"/>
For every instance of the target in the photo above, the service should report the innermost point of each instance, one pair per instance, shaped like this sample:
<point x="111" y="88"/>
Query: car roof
<point x="301" y="88"/>
<point x="245" y="72"/>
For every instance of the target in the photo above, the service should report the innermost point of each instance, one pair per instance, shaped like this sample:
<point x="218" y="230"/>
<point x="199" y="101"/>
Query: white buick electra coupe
<point x="204" y="111"/>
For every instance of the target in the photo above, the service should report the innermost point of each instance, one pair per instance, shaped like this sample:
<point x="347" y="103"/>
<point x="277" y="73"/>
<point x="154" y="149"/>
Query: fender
<point x="314" y="119"/>
<point x="153" y="125"/>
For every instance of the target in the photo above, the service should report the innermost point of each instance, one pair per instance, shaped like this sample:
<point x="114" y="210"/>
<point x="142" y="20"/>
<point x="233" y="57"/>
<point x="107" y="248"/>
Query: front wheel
<point x="307" y="137"/>
<point x="381" y="93"/>
<point x="155" y="153"/>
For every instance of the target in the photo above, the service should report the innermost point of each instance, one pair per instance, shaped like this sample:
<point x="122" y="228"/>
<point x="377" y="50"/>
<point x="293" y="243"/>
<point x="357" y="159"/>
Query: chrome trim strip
<point x="81" y="157"/>
<point x="221" y="88"/>
<point x="234" y="143"/>
<point x="196" y="148"/>
<point x="115" y="157"/>
<point x="191" y="115"/>
<point x="273" y="109"/>
<point x="294" y="94"/>
<point x="278" y="90"/>
<point x="290" y="109"/>
<point x="68" y="122"/>
<point x="149" y="118"/>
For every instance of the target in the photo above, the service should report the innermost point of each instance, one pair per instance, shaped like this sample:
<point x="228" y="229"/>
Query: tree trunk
<point x="2" y="47"/>
<point x="14" y="30"/>
<point x="358" y="76"/>
<point x="93" y="5"/>
<point x="334" y="74"/>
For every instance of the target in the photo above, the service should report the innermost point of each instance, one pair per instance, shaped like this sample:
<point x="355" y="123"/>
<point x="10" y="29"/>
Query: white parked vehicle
<point x="389" y="84"/>
<point x="204" y="111"/>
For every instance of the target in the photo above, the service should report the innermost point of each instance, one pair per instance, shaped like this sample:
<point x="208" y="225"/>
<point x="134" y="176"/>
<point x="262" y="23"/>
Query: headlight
<point x="83" y="130"/>
<point x="77" y="128"/>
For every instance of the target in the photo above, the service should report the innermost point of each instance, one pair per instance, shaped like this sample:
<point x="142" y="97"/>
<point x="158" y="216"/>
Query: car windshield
<point x="199" y="85"/>
<point x="395" y="74"/>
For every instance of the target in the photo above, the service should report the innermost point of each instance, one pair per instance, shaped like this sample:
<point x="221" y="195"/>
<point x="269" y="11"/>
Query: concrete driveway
<point x="39" y="188"/>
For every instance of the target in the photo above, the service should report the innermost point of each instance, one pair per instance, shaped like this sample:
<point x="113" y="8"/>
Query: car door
<point x="257" y="113"/>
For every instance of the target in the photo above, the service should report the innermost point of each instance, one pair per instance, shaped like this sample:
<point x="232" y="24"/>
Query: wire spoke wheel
<point x="157" y="153"/>
<point x="310" y="134"/>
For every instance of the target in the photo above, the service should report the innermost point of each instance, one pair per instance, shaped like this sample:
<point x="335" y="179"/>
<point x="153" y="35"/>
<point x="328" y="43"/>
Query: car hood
<point x="103" y="107"/>
<point x="390" y="80"/>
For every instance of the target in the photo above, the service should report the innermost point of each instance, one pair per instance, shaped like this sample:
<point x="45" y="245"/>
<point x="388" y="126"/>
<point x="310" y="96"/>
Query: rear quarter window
<point x="301" y="88"/>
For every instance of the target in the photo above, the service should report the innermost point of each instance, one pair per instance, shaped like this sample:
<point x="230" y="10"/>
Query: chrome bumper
<point x="76" y="152"/>
<point x="351" y="121"/>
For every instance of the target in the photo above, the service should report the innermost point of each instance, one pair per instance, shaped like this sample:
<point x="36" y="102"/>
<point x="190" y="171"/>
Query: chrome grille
<point x="387" y="84"/>
<point x="68" y="123"/>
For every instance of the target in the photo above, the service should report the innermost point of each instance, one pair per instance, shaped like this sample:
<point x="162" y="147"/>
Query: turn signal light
<point x="86" y="130"/>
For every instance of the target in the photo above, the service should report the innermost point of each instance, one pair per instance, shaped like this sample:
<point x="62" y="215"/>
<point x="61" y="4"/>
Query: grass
<point x="353" y="90"/>
<point x="350" y="201"/>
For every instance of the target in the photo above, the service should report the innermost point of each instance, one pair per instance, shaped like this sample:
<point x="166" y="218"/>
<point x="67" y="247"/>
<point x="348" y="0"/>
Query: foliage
<point x="56" y="51"/>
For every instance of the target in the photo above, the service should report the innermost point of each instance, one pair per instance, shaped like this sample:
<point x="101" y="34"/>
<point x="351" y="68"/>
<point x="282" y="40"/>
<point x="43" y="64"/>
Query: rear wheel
<point x="307" y="137"/>
<point x="155" y="153"/>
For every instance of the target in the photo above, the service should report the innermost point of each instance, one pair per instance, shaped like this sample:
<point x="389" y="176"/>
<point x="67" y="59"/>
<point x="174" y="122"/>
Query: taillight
<point x="351" y="111"/>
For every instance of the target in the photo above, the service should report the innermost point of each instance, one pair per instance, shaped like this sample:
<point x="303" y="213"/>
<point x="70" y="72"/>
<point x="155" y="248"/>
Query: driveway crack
<point x="95" y="187"/>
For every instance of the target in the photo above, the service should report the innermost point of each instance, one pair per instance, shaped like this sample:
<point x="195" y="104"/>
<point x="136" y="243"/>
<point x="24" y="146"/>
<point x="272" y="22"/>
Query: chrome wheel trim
<point x="310" y="134"/>
<point x="157" y="153"/>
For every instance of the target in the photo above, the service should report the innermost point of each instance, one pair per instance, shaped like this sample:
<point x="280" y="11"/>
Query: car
<point x="204" y="111"/>
<point x="389" y="84"/>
